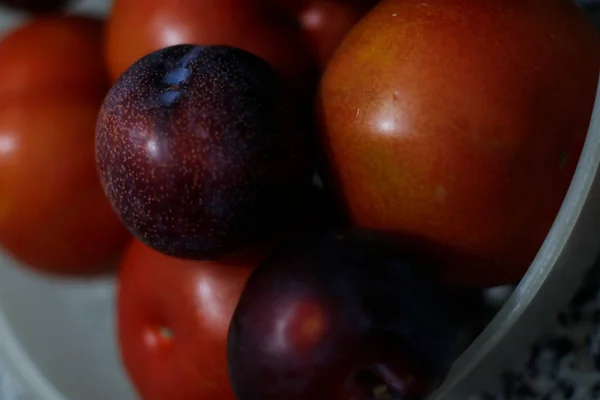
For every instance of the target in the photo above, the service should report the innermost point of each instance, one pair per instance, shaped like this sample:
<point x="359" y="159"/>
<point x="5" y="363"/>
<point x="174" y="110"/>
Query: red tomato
<point x="463" y="137"/>
<point x="53" y="212"/>
<point x="173" y="318"/>
<point x="138" y="27"/>
<point x="52" y="55"/>
<point x="326" y="22"/>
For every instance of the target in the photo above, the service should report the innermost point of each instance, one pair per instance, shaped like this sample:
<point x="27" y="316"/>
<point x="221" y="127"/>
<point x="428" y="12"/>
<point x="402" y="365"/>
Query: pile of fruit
<point x="306" y="197"/>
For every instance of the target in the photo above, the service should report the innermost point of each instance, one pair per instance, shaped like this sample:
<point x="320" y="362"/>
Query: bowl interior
<point x="60" y="332"/>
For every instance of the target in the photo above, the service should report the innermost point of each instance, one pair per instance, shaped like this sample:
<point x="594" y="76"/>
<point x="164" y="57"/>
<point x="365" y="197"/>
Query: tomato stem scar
<point x="166" y="332"/>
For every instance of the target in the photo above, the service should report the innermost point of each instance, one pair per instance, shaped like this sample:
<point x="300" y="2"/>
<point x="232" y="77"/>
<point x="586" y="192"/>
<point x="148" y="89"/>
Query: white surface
<point x="67" y="330"/>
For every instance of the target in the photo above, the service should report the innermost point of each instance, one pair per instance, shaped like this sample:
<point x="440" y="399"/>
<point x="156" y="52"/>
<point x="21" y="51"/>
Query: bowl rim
<point x="556" y="273"/>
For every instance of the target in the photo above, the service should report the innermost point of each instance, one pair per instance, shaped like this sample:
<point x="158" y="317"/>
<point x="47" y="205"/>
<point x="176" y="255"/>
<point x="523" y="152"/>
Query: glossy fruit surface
<point x="138" y="27"/>
<point x="173" y="317"/>
<point x="340" y="317"/>
<point x="325" y="22"/>
<point x="200" y="151"/>
<point x="52" y="55"/>
<point x="459" y="124"/>
<point x="53" y="213"/>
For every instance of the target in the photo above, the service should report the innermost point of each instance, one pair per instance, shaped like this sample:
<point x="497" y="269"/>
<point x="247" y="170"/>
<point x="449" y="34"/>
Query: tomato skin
<point x="137" y="28"/>
<point x="295" y="36"/>
<point x="53" y="213"/>
<point x="195" y="301"/>
<point x="54" y="216"/>
<point x="53" y="55"/>
<point x="464" y="147"/>
<point x="325" y="22"/>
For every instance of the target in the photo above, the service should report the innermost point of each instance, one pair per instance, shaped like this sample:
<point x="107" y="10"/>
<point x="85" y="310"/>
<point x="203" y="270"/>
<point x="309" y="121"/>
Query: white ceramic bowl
<point x="57" y="337"/>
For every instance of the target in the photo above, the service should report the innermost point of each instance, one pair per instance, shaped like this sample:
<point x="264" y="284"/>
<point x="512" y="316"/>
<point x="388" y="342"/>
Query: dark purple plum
<point x="201" y="150"/>
<point x="342" y="316"/>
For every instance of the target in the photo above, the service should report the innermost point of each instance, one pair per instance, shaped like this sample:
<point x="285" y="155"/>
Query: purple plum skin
<point x="201" y="152"/>
<point x="342" y="316"/>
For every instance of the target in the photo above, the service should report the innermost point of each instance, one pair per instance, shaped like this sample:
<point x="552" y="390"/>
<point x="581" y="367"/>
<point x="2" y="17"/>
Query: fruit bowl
<point x="560" y="267"/>
<point x="57" y="336"/>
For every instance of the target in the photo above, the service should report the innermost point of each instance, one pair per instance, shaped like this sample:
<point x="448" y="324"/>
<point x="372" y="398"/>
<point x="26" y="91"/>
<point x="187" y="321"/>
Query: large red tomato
<point x="173" y="318"/>
<point x="53" y="213"/>
<point x="53" y="55"/>
<point x="138" y="27"/>
<point x="459" y="124"/>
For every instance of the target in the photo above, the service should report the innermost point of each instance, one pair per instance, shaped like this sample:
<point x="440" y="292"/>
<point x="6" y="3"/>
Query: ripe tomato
<point x="464" y="142"/>
<point x="53" y="213"/>
<point x="52" y="55"/>
<point x="139" y="27"/>
<point x="173" y="318"/>
<point x="325" y="22"/>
